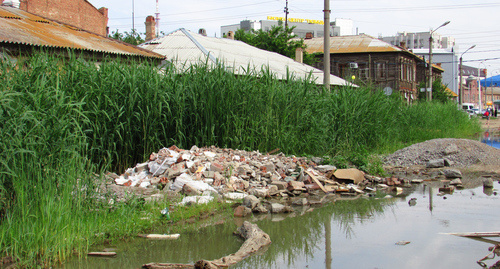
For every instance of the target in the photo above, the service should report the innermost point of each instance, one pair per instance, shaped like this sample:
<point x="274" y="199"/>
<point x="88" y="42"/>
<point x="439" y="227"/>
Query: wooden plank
<point x="478" y="234"/>
<point x="102" y="254"/>
<point x="317" y="181"/>
<point x="160" y="236"/>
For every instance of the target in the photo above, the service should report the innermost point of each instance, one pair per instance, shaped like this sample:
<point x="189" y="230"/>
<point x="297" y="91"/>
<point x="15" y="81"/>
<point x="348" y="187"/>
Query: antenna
<point x="157" y="19"/>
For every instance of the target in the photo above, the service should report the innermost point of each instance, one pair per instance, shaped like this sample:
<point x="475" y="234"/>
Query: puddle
<point x="347" y="234"/>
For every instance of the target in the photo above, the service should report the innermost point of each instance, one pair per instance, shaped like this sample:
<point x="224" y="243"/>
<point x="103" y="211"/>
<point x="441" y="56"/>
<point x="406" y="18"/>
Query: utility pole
<point x="460" y="90"/>
<point x="326" y="47"/>
<point x="286" y="15"/>
<point x="157" y="19"/>
<point x="133" y="19"/>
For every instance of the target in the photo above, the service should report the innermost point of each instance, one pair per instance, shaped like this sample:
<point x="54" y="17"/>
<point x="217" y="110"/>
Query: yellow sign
<point x="272" y="18"/>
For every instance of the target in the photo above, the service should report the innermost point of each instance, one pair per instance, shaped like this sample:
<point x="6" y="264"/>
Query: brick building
<point x="78" y="13"/>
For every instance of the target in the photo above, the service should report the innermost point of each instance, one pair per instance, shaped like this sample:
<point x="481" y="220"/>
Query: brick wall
<point x="78" y="13"/>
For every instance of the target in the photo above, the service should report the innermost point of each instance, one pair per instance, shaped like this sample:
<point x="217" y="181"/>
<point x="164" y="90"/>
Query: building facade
<point x="448" y="60"/>
<point x="78" y="13"/>
<point x="374" y="62"/>
<point x="302" y="26"/>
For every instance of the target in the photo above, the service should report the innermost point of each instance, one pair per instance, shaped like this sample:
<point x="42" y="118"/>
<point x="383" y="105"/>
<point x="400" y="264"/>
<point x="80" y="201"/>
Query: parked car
<point x="471" y="113"/>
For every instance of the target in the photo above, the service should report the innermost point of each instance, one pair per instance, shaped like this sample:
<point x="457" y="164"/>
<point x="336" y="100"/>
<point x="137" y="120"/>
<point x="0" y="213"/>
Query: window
<point x="381" y="70"/>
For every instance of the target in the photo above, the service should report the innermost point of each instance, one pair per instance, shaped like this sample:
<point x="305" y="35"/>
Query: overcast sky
<point x="472" y="22"/>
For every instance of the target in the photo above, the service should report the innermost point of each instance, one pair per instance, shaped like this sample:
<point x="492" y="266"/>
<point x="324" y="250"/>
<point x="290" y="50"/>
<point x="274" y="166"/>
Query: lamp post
<point x="429" y="93"/>
<point x="460" y="91"/>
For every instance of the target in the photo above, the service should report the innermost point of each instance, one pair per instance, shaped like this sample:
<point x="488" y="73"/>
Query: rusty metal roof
<point x="350" y="44"/>
<point x="21" y="27"/>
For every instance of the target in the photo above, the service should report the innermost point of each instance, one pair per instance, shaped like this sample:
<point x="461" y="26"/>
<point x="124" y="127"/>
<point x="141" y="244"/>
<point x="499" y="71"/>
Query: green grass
<point x="62" y="121"/>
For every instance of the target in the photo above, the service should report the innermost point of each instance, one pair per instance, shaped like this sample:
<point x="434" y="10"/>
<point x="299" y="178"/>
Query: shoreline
<point x="492" y="125"/>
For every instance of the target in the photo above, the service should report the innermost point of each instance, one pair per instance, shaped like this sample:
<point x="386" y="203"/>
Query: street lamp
<point x="429" y="93"/>
<point x="460" y="92"/>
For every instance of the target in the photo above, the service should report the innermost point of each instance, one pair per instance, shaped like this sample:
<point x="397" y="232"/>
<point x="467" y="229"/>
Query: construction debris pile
<point x="204" y="173"/>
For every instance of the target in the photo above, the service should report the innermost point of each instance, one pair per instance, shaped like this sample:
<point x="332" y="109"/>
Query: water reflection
<point x="491" y="138"/>
<point x="345" y="234"/>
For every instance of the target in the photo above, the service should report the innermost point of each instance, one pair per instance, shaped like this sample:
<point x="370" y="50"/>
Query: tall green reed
<point x="62" y="120"/>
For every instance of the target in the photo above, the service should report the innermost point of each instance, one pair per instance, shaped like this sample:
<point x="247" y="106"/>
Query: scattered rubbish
<point x="447" y="189"/>
<point x="164" y="212"/>
<point x="412" y="202"/>
<point x="188" y="200"/>
<point x="488" y="183"/>
<point x="402" y="243"/>
<point x="201" y="174"/>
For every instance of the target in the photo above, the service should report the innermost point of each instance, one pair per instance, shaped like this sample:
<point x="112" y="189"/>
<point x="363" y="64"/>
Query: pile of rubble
<point x="204" y="173"/>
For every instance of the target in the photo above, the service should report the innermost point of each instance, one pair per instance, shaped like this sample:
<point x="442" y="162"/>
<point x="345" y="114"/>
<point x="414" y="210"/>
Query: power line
<point x="414" y="8"/>
<point x="206" y="10"/>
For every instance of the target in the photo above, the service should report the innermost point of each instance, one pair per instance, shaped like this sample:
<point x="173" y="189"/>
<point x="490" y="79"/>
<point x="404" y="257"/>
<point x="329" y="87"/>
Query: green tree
<point x="439" y="92"/>
<point x="279" y="39"/>
<point x="132" y="37"/>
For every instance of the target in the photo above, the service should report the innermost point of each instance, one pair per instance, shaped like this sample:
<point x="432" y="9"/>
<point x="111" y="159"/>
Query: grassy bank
<point x="64" y="121"/>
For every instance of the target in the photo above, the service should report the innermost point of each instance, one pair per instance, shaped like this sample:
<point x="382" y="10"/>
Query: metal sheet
<point x="184" y="48"/>
<point x="20" y="27"/>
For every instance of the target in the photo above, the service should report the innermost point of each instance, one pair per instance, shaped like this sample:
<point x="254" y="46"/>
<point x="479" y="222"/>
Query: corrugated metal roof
<point x="20" y="27"/>
<point x="184" y="47"/>
<point x="350" y="44"/>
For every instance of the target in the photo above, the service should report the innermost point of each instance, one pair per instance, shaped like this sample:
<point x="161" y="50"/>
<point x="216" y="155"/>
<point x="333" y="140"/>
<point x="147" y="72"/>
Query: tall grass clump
<point x="63" y="122"/>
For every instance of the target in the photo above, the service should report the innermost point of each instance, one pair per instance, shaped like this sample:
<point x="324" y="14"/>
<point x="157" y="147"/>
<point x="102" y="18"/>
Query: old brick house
<point x="374" y="62"/>
<point x="78" y="13"/>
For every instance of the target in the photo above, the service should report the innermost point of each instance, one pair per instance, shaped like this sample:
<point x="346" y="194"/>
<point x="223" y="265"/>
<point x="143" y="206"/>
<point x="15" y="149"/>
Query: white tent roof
<point x="184" y="48"/>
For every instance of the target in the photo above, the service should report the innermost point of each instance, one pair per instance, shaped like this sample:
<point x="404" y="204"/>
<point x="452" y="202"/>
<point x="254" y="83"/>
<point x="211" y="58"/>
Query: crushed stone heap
<point x="458" y="152"/>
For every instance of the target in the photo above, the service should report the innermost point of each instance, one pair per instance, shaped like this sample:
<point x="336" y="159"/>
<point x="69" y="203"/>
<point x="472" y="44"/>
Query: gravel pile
<point x="461" y="153"/>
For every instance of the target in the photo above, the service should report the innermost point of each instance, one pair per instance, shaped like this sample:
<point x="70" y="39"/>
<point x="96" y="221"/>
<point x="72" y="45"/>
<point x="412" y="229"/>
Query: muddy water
<point x="346" y="234"/>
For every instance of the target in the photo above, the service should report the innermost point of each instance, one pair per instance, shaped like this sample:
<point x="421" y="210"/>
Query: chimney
<point x="309" y="35"/>
<point x="150" y="28"/>
<point x="299" y="55"/>
<point x="402" y="44"/>
<point x="202" y="32"/>
<point x="104" y="12"/>
<point x="230" y="35"/>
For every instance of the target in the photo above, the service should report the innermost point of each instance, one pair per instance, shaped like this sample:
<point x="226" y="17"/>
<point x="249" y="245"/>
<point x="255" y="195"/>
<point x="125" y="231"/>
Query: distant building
<point x="302" y="26"/>
<point x="374" y="62"/>
<point x="420" y="40"/>
<point x="448" y="59"/>
<point x="470" y="88"/>
<point x="78" y="13"/>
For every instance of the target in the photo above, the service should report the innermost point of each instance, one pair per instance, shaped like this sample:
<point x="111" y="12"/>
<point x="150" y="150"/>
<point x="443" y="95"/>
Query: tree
<point x="439" y="92"/>
<point x="133" y="37"/>
<point x="279" y="39"/>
